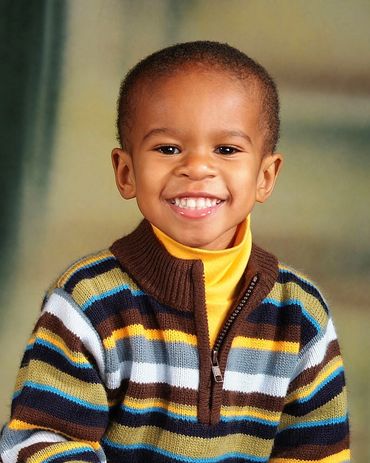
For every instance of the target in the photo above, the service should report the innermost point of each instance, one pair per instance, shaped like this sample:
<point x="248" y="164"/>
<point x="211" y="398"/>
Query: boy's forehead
<point x="196" y="80"/>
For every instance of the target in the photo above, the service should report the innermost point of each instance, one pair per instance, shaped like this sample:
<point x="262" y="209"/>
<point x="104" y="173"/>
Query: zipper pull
<point x="216" y="368"/>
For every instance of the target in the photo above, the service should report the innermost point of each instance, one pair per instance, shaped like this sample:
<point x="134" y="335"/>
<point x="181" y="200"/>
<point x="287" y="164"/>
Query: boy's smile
<point x="195" y="206"/>
<point x="194" y="160"/>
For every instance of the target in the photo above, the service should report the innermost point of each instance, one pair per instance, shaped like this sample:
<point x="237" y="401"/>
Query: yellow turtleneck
<point x="222" y="269"/>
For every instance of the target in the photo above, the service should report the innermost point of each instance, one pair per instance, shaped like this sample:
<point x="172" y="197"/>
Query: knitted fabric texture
<point x="118" y="368"/>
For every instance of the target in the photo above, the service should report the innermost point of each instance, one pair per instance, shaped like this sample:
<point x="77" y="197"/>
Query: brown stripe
<point x="159" y="390"/>
<point x="149" y="321"/>
<point x="29" y="451"/>
<point x="255" y="399"/>
<point x="289" y="333"/>
<point x="55" y="325"/>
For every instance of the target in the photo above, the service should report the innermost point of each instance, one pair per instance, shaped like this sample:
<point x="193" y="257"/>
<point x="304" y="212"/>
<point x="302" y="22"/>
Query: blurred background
<point x="61" y="65"/>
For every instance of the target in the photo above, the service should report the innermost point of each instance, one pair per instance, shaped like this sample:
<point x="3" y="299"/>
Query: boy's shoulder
<point x="85" y="267"/>
<point x="289" y="274"/>
<point x="294" y="288"/>
<point x="93" y="276"/>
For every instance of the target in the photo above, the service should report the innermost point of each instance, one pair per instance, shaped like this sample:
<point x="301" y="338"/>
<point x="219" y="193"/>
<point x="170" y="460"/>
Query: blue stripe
<point x="178" y="457"/>
<point x="111" y="292"/>
<point x="51" y="346"/>
<point x="310" y="318"/>
<point x="252" y="419"/>
<point x="54" y="390"/>
<point x="335" y="373"/>
<point x="277" y="303"/>
<point x="176" y="416"/>
<point x="68" y="453"/>
<point x="313" y="424"/>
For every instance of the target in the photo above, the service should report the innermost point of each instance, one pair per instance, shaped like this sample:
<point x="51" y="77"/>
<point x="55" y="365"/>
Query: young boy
<point x="185" y="342"/>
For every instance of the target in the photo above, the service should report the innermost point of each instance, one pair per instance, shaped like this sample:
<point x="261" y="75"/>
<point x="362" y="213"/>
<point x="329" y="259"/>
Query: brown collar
<point x="173" y="281"/>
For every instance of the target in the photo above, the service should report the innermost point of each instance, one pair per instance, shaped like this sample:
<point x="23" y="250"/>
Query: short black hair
<point x="216" y="55"/>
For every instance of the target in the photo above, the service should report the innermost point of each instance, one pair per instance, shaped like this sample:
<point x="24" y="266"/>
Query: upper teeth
<point x="195" y="203"/>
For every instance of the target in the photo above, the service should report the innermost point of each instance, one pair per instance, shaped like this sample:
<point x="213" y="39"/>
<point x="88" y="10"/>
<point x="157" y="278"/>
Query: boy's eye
<point x="168" y="149"/>
<point x="227" y="150"/>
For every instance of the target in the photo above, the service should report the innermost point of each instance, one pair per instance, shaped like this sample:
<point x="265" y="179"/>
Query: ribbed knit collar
<point x="176" y="282"/>
<point x="223" y="268"/>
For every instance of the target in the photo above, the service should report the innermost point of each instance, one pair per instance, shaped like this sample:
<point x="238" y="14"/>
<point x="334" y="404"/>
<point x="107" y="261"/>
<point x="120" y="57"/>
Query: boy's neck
<point x="240" y="235"/>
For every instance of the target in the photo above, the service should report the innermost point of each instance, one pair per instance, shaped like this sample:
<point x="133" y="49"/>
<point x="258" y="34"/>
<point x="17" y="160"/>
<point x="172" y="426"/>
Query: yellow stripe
<point x="31" y="340"/>
<point x="179" y="409"/>
<point x="151" y="335"/>
<point x="340" y="457"/>
<point x="250" y="412"/>
<point x="305" y="391"/>
<point x="18" y="425"/>
<point x="266" y="344"/>
<point x="80" y="264"/>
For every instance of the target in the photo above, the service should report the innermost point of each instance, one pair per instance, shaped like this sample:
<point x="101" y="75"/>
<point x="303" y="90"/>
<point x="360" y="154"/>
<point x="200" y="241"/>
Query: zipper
<point x="217" y="374"/>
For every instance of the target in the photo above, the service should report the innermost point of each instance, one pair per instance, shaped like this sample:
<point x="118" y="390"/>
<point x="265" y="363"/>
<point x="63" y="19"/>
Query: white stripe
<point x="265" y="384"/>
<point x="315" y="353"/>
<point x="11" y="455"/>
<point x="145" y="373"/>
<point x="69" y="313"/>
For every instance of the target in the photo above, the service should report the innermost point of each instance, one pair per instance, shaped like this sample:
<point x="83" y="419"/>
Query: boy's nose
<point x="196" y="166"/>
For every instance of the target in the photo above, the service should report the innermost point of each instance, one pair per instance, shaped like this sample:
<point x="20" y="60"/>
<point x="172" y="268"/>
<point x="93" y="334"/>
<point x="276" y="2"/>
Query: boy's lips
<point x="195" y="206"/>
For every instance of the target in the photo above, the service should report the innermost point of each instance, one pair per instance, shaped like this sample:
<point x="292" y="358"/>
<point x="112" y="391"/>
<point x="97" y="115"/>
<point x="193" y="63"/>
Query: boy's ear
<point x="124" y="173"/>
<point x="269" y="170"/>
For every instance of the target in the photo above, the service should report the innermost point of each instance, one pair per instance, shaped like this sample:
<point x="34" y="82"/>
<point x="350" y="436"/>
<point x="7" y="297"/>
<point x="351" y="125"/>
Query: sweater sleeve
<point x="60" y="407"/>
<point x="314" y="424"/>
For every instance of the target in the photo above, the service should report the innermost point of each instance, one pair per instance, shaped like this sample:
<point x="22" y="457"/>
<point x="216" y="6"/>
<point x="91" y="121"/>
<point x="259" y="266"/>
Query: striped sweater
<point x="119" y="367"/>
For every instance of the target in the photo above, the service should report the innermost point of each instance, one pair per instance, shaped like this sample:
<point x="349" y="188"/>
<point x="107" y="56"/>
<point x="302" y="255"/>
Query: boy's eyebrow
<point x="160" y="130"/>
<point x="227" y="133"/>
<point x="237" y="133"/>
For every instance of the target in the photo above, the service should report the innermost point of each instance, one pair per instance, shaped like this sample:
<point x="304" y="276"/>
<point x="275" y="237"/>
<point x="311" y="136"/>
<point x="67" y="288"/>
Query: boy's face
<point x="195" y="164"/>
